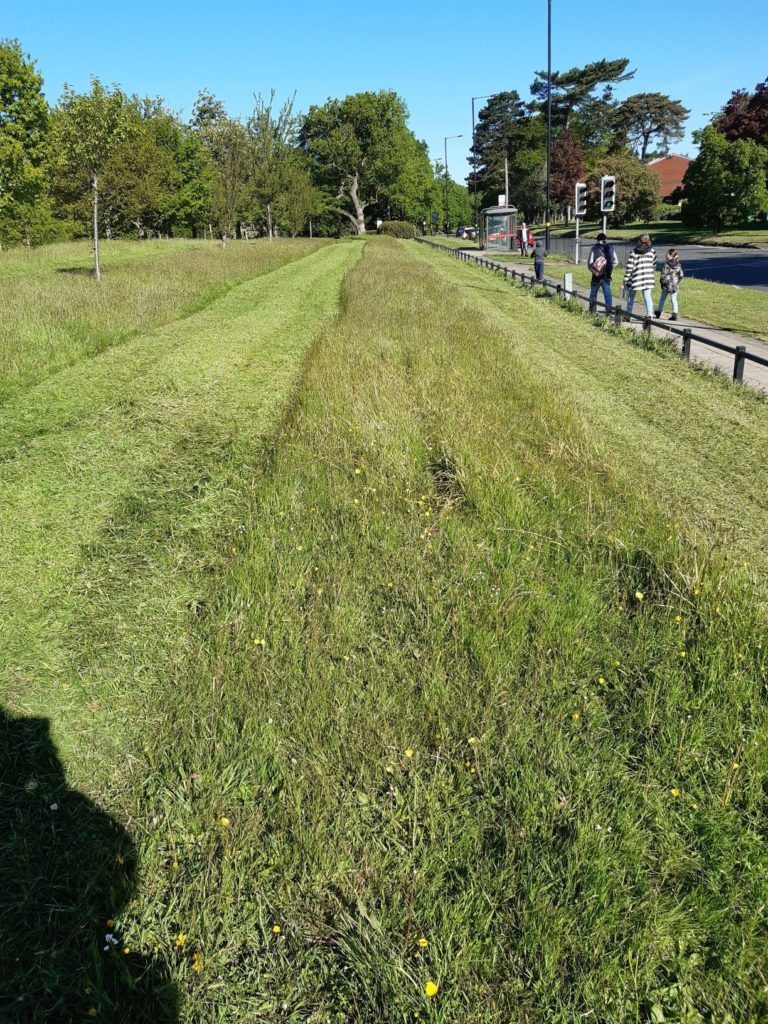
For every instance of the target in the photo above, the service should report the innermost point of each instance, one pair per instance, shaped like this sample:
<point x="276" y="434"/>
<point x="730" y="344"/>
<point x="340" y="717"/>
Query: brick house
<point x="669" y="170"/>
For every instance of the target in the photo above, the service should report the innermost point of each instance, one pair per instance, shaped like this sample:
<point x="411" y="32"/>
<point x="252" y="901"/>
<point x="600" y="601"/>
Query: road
<point x="747" y="268"/>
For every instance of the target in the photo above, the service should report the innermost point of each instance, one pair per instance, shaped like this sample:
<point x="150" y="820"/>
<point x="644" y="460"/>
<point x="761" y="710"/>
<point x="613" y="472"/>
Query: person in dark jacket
<point x="671" y="276"/>
<point x="640" y="273"/>
<point x="601" y="261"/>
<point x="539" y="252"/>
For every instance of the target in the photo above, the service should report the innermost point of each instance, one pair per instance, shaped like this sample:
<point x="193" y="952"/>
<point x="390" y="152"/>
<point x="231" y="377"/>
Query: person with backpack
<point x="539" y="252"/>
<point x="601" y="261"/>
<point x="671" y="276"/>
<point x="640" y="273"/>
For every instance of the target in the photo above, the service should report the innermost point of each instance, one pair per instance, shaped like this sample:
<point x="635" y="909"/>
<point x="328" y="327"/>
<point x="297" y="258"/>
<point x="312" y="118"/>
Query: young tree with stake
<point x="89" y="127"/>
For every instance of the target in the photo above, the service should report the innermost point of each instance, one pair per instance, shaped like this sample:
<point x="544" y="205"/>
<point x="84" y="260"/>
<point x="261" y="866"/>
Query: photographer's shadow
<point x="66" y="870"/>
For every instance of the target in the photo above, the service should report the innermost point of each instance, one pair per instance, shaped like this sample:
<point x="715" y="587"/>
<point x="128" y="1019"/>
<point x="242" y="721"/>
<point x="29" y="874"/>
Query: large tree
<point x="272" y="135"/>
<point x="361" y="146"/>
<point x="651" y="115"/>
<point x="567" y="168"/>
<point x="508" y="130"/>
<point x="745" y="115"/>
<point x="725" y="184"/>
<point x="574" y="90"/>
<point x="24" y="119"/>
<point x="637" y="187"/>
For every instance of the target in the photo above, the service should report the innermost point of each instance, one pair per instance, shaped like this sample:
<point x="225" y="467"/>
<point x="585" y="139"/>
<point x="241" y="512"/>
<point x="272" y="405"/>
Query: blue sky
<point x="437" y="56"/>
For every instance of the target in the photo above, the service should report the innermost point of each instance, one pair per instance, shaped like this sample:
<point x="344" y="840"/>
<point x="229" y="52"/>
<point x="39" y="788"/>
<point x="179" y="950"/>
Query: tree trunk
<point x="359" y="217"/>
<point x="269" y="220"/>
<point x="96" y="265"/>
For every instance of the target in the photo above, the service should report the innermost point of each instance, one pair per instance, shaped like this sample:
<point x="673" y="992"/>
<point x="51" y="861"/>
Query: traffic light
<point x="607" y="194"/>
<point x="580" y="203"/>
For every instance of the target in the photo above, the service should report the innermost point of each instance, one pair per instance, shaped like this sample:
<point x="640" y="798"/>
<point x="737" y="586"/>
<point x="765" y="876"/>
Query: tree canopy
<point x="651" y="115"/>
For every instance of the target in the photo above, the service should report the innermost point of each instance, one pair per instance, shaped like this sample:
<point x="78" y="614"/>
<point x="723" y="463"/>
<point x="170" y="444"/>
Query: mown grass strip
<point x="469" y="708"/>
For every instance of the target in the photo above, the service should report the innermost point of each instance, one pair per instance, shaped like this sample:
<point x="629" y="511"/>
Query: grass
<point x="429" y="666"/>
<point x="742" y="310"/>
<point x="51" y="316"/>
<point x="672" y="232"/>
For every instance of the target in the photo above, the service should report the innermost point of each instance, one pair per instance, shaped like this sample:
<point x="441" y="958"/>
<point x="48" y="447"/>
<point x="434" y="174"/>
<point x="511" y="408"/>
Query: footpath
<point x="754" y="374"/>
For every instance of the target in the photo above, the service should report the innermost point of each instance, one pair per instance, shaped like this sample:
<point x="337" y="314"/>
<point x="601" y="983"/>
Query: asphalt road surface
<point x="747" y="268"/>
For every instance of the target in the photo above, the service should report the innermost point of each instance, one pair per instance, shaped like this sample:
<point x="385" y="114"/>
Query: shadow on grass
<point x="66" y="870"/>
<point x="79" y="271"/>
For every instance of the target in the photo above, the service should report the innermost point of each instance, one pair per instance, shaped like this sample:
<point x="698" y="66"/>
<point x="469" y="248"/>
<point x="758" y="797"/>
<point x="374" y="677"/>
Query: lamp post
<point x="549" y="121"/>
<point x="474" y="161"/>
<point x="445" y="143"/>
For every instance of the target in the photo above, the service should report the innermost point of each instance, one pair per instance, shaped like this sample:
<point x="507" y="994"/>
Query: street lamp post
<point x="474" y="161"/>
<point x="549" y="121"/>
<point x="445" y="143"/>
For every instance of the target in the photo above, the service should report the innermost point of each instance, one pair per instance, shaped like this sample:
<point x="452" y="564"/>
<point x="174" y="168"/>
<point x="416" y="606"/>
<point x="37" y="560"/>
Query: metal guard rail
<point x="740" y="353"/>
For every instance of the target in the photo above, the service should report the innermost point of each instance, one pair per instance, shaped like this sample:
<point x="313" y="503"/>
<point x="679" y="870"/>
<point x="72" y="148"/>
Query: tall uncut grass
<point x="434" y="703"/>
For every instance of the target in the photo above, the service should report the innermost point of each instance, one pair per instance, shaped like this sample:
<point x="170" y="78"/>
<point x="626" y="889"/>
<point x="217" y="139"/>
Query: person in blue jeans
<point x="640" y="273"/>
<point x="671" y="276"/>
<point x="539" y="252"/>
<point x="601" y="261"/>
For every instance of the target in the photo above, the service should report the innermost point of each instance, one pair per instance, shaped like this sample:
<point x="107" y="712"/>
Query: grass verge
<point x="433" y="689"/>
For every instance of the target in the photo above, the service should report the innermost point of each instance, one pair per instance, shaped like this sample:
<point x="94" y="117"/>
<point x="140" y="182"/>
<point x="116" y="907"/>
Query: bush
<point x="400" y="229"/>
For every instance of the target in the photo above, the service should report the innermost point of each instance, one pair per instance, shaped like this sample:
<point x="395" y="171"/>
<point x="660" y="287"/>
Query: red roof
<point x="669" y="170"/>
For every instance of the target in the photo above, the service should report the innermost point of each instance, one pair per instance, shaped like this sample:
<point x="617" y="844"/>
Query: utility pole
<point x="549" y="121"/>
<point x="506" y="180"/>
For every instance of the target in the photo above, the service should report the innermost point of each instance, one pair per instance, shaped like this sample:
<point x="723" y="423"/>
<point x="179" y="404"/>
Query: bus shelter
<point x="500" y="228"/>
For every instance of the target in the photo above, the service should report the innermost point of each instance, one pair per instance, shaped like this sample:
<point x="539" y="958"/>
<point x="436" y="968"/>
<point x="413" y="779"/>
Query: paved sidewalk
<point x="754" y="375"/>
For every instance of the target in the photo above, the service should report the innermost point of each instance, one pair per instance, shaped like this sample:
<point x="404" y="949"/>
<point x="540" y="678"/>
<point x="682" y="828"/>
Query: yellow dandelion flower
<point x="259" y="641"/>
<point x="181" y="938"/>
<point x="224" y="822"/>
<point x="423" y="942"/>
<point x="358" y="471"/>
<point x="92" y="1012"/>
<point x="197" y="963"/>
<point x="431" y="989"/>
<point x="276" y="929"/>
<point x="735" y="766"/>
<point x="126" y="950"/>
<point x="694" y="806"/>
<point x="616" y="664"/>
<point x="576" y="716"/>
<point x="678" y="618"/>
<point x="683" y="654"/>
<point x="175" y="865"/>
<point x="300" y="547"/>
<point x="409" y="752"/>
<point x="473" y="741"/>
<point x="639" y="595"/>
<point x="675" y="791"/>
<point x="110" y="922"/>
<point x="697" y="590"/>
<point x="601" y="680"/>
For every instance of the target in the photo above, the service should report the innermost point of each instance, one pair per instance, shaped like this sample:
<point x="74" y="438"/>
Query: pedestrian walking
<point x="671" y="276"/>
<point x="539" y="252"/>
<point x="640" y="272"/>
<point x="601" y="261"/>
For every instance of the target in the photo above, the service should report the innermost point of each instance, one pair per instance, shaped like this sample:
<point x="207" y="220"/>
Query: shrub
<point x="399" y="228"/>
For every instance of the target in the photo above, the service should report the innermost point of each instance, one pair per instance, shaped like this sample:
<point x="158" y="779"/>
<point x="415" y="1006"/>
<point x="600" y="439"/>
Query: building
<point x="670" y="171"/>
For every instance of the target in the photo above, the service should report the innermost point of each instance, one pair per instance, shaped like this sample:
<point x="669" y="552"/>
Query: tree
<point x="725" y="184"/>
<point x="360" y="146"/>
<point x="651" y="115"/>
<point x="567" y="168"/>
<point x="637" y="187"/>
<point x="459" y="200"/>
<point x="299" y="199"/>
<point x="506" y="129"/>
<point x="271" y="139"/>
<point x="89" y="127"/>
<point x="24" y="119"/>
<point x="745" y="115"/>
<point x="572" y="90"/>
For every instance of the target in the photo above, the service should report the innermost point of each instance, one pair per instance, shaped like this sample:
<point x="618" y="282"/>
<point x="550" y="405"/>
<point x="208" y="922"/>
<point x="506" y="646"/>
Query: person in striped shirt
<point x="639" y="275"/>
